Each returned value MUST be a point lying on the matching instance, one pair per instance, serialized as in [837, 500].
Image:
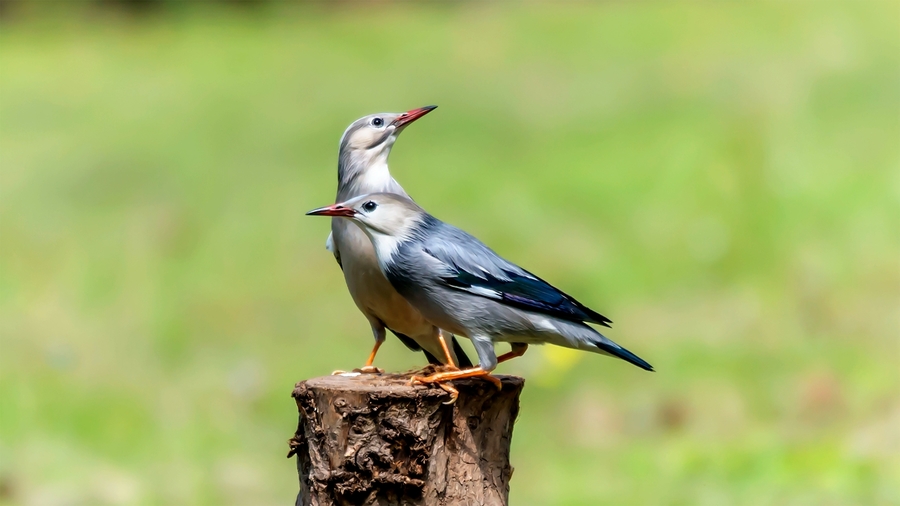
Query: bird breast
[370, 290]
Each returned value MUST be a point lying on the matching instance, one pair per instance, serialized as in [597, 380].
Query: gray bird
[463, 287]
[362, 169]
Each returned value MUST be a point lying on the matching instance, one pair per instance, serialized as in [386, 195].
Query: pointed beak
[410, 116]
[335, 210]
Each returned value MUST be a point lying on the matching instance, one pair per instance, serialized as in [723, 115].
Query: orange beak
[334, 210]
[410, 116]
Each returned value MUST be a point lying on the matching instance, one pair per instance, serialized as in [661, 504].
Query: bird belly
[373, 293]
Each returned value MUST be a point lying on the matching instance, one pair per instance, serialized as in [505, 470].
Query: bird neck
[359, 175]
[385, 246]
[405, 231]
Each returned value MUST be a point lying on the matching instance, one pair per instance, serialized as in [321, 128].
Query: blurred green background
[721, 179]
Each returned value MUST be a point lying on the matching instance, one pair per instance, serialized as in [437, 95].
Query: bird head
[369, 139]
[385, 217]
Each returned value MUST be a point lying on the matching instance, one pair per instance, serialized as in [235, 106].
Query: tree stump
[373, 439]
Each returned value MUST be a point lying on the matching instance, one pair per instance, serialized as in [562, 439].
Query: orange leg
[447, 355]
[517, 351]
[368, 368]
[372, 355]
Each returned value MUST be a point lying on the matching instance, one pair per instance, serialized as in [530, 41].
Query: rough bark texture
[375, 440]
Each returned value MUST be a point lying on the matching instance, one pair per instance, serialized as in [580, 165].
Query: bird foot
[495, 380]
[454, 393]
[442, 378]
[447, 387]
[431, 369]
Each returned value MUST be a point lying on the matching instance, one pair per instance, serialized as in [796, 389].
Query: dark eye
[369, 206]
[378, 122]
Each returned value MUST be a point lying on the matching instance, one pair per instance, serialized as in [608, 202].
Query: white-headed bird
[464, 287]
[362, 169]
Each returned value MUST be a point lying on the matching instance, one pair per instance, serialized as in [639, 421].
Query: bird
[363, 168]
[462, 286]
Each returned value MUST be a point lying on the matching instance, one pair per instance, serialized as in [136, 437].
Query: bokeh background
[721, 179]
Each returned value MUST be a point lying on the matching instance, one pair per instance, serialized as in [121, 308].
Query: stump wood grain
[375, 440]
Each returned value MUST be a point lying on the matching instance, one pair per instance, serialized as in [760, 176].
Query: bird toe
[454, 393]
[495, 380]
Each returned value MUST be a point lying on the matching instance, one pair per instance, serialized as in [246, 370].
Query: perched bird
[463, 287]
[362, 169]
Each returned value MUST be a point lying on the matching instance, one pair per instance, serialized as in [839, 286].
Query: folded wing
[473, 267]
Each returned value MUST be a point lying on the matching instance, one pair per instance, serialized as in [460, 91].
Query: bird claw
[454, 393]
[422, 380]
[443, 383]
[495, 380]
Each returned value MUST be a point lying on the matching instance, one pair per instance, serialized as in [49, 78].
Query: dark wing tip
[593, 316]
[625, 355]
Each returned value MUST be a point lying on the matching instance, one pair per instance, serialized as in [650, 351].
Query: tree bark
[373, 439]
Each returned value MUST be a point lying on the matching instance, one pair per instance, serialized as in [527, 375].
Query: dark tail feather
[461, 356]
[432, 359]
[408, 341]
[412, 345]
[619, 352]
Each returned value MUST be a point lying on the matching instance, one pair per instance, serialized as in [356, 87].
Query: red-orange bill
[333, 210]
[410, 116]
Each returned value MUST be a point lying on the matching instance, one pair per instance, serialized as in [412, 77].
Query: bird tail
[609, 347]
[584, 337]
[408, 341]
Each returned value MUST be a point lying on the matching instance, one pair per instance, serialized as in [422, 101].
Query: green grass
[721, 179]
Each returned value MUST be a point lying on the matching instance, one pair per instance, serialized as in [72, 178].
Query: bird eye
[377, 122]
[369, 206]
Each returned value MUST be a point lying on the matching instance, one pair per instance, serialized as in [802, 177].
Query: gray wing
[469, 265]
[332, 247]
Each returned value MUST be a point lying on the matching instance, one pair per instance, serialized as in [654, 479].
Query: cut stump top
[397, 385]
[376, 440]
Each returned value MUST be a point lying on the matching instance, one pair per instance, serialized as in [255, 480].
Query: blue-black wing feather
[473, 267]
[527, 292]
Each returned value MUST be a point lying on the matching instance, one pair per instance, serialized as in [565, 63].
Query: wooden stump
[374, 440]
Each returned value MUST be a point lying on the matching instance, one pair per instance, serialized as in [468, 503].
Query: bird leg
[368, 368]
[450, 363]
[518, 349]
[442, 378]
